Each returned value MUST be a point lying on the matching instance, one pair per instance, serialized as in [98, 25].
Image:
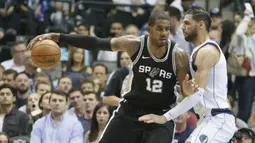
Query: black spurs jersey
[150, 83]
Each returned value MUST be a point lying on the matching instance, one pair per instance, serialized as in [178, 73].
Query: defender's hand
[50, 36]
[152, 118]
[189, 86]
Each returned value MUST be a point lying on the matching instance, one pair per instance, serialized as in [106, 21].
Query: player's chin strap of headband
[186, 104]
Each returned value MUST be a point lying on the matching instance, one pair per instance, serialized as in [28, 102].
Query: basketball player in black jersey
[157, 65]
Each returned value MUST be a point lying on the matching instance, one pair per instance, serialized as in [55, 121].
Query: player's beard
[191, 36]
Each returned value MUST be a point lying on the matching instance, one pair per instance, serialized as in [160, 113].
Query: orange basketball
[45, 54]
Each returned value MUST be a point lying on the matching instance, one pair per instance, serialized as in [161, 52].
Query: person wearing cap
[215, 13]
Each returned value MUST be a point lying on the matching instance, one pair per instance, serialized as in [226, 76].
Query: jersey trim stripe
[126, 88]
[156, 59]
[173, 58]
[140, 50]
[214, 87]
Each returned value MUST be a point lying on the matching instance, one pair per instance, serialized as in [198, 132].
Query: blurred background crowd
[92, 81]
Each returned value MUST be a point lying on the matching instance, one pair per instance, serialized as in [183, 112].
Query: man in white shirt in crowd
[17, 61]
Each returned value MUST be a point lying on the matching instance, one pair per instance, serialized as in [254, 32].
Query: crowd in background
[84, 87]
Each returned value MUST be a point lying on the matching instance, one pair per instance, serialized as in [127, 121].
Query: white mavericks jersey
[215, 95]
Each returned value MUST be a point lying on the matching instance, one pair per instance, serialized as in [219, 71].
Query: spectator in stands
[30, 69]
[90, 102]
[97, 85]
[32, 103]
[75, 66]
[41, 77]
[32, 72]
[69, 129]
[44, 103]
[100, 71]
[4, 137]
[20, 17]
[109, 58]
[243, 135]
[215, 13]
[239, 123]
[1, 74]
[17, 62]
[176, 33]
[84, 29]
[238, 18]
[245, 47]
[182, 129]
[78, 109]
[42, 87]
[87, 85]
[64, 84]
[112, 93]
[14, 122]
[215, 33]
[22, 85]
[100, 118]
[9, 77]
[132, 30]
[42, 14]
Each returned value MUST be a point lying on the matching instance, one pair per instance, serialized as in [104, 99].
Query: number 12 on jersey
[154, 85]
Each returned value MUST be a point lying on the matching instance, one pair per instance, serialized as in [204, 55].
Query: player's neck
[157, 51]
[201, 38]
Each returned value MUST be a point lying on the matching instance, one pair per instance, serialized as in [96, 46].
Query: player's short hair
[174, 12]
[200, 14]
[159, 15]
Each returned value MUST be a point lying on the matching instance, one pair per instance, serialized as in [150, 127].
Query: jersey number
[154, 85]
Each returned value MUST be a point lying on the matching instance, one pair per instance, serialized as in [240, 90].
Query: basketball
[45, 54]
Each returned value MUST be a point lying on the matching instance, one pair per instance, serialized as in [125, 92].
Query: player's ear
[200, 24]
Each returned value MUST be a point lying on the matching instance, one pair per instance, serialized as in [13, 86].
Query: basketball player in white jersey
[208, 68]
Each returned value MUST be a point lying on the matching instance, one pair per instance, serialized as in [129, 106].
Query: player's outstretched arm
[206, 58]
[127, 43]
